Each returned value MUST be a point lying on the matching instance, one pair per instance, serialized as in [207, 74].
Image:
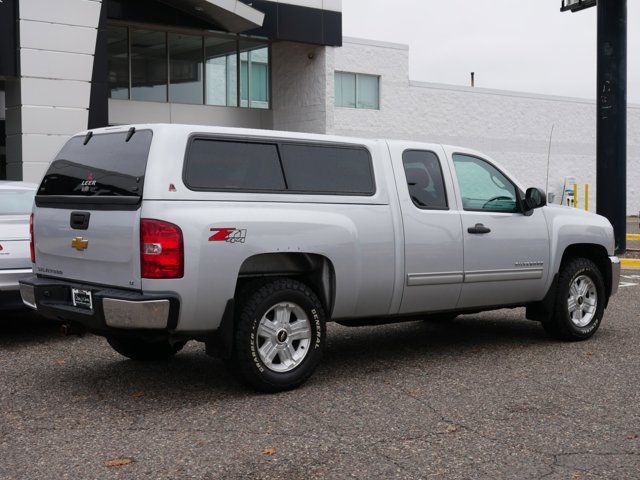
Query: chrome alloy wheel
[283, 337]
[583, 301]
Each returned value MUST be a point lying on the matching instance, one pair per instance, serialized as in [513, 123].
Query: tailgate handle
[79, 220]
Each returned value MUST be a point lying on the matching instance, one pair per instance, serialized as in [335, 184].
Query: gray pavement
[488, 396]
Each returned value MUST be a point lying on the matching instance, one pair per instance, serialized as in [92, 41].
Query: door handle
[479, 228]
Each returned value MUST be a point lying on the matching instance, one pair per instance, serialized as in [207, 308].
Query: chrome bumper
[615, 274]
[112, 309]
[133, 315]
[9, 278]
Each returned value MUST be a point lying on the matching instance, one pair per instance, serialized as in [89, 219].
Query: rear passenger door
[432, 230]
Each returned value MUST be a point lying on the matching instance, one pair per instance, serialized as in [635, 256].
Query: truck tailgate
[107, 252]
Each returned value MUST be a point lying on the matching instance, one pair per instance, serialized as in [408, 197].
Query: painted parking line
[625, 282]
[630, 263]
[633, 236]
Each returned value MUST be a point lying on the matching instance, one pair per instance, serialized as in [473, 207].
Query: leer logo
[228, 234]
[89, 182]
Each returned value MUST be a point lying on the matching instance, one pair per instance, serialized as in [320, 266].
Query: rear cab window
[98, 169]
[278, 166]
[425, 181]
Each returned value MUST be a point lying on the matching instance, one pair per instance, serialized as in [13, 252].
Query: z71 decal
[231, 235]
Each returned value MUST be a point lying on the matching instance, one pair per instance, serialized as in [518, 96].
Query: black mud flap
[220, 343]
[542, 310]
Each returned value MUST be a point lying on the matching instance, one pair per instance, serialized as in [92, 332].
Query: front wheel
[580, 301]
[280, 335]
[144, 350]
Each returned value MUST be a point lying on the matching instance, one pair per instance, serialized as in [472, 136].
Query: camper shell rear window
[108, 166]
[277, 166]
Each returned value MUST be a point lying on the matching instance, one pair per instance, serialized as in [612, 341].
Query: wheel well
[315, 270]
[597, 254]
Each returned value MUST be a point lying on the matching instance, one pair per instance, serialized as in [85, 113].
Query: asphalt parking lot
[488, 396]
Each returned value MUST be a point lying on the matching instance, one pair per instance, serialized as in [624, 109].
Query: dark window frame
[277, 142]
[444, 184]
[129, 25]
[519, 193]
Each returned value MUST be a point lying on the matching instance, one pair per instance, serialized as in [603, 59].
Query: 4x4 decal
[231, 235]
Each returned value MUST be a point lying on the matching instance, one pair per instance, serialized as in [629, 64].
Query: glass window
[221, 164]
[118, 54]
[16, 202]
[356, 90]
[107, 165]
[185, 72]
[345, 89]
[367, 92]
[254, 74]
[148, 65]
[221, 57]
[424, 179]
[327, 169]
[483, 187]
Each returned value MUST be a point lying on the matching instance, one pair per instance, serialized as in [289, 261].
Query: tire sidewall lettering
[317, 332]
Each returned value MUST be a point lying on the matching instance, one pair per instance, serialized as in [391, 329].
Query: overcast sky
[511, 44]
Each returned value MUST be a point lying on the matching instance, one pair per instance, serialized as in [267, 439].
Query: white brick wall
[50, 101]
[511, 127]
[302, 87]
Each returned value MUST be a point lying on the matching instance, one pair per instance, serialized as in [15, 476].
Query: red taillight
[32, 245]
[161, 249]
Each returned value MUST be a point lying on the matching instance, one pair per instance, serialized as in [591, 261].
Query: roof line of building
[507, 93]
[375, 43]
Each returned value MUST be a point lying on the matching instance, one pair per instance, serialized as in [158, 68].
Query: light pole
[611, 98]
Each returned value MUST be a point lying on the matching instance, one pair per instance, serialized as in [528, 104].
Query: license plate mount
[82, 298]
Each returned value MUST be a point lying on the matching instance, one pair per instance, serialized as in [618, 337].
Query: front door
[433, 237]
[506, 253]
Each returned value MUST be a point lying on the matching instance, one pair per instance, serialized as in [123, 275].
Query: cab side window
[483, 187]
[425, 180]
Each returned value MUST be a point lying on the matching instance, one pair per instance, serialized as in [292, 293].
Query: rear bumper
[9, 278]
[114, 310]
[615, 274]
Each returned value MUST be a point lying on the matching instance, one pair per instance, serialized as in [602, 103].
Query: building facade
[262, 64]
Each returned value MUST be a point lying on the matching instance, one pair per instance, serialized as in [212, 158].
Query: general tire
[559, 325]
[254, 302]
[143, 350]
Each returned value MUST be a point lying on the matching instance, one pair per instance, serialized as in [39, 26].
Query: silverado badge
[79, 243]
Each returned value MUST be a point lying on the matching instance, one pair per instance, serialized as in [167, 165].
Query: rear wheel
[280, 335]
[579, 302]
[144, 350]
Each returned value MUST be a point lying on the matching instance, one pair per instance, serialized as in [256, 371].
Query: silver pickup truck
[250, 241]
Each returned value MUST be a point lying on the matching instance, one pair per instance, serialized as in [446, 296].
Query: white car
[16, 203]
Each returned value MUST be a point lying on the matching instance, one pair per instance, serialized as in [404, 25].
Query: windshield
[16, 202]
[104, 165]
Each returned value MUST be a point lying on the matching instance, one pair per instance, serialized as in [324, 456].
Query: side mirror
[534, 198]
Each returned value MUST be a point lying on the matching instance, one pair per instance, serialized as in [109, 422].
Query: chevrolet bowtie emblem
[79, 243]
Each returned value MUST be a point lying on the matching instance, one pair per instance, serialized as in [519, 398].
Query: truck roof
[191, 128]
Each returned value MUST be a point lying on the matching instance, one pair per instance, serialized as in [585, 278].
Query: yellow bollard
[575, 195]
[586, 197]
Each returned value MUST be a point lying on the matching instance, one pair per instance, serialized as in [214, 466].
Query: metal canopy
[233, 15]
